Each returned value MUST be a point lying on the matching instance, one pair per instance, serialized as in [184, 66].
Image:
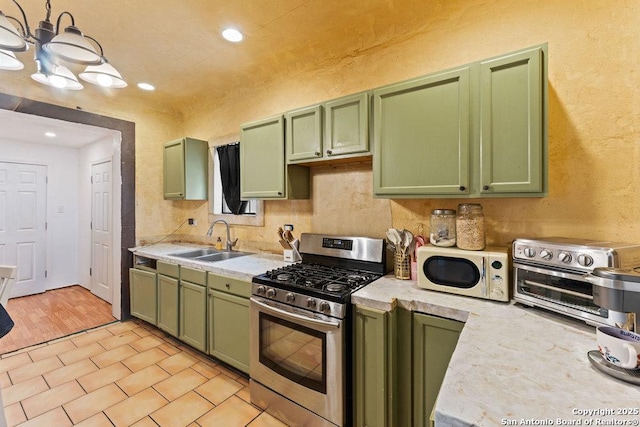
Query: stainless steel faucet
[230, 244]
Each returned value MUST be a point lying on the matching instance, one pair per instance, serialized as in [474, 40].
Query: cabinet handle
[485, 188]
[317, 153]
[329, 152]
[228, 286]
[462, 188]
[279, 193]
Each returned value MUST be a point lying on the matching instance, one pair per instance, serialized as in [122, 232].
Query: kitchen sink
[197, 253]
[209, 254]
[220, 256]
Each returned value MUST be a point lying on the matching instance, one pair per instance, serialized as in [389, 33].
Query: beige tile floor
[123, 374]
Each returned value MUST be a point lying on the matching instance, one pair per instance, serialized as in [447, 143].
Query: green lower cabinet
[373, 367]
[143, 294]
[434, 340]
[193, 315]
[229, 329]
[168, 304]
[400, 358]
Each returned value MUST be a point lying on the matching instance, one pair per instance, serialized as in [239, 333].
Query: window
[218, 209]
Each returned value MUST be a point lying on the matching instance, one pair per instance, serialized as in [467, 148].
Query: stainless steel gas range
[301, 329]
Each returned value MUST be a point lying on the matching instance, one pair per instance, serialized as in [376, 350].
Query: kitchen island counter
[241, 268]
[513, 365]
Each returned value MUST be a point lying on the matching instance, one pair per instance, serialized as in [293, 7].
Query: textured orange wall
[594, 106]
[594, 157]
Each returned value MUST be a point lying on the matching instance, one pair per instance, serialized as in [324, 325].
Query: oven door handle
[562, 291]
[303, 319]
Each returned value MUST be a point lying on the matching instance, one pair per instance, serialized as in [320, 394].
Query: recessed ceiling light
[146, 86]
[232, 35]
[50, 134]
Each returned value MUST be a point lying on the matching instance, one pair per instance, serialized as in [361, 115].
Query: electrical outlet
[193, 221]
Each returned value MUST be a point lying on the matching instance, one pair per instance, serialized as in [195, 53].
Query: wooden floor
[53, 314]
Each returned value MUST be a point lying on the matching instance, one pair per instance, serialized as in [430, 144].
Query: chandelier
[52, 49]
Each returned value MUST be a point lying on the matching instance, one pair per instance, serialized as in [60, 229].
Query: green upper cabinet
[421, 136]
[337, 129]
[263, 172]
[304, 134]
[476, 131]
[186, 169]
[512, 123]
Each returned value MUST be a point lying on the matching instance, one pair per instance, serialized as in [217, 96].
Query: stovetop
[320, 281]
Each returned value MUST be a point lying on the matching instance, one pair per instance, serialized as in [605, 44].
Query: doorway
[126, 205]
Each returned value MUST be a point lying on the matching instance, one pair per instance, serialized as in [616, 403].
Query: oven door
[560, 291]
[299, 355]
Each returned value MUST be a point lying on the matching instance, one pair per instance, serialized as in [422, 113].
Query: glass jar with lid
[470, 227]
[443, 227]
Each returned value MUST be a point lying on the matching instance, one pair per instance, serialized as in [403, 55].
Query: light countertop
[242, 268]
[512, 364]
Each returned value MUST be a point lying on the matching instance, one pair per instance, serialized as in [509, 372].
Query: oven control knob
[585, 260]
[290, 297]
[311, 303]
[564, 257]
[260, 290]
[324, 306]
[271, 293]
[546, 254]
[529, 252]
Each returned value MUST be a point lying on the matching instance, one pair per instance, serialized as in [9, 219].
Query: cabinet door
[346, 129]
[512, 123]
[421, 136]
[229, 329]
[143, 293]
[262, 167]
[174, 177]
[304, 134]
[168, 304]
[193, 315]
[372, 365]
[434, 340]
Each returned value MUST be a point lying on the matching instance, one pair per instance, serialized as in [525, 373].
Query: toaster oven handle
[298, 317]
[553, 288]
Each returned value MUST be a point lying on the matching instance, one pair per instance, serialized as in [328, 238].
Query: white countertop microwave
[479, 274]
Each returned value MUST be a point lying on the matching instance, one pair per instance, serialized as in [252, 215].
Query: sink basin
[220, 256]
[209, 254]
[197, 253]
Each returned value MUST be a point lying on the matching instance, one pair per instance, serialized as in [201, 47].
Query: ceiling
[29, 128]
[176, 44]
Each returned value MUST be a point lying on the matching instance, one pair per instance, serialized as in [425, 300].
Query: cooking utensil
[288, 236]
[407, 240]
[283, 242]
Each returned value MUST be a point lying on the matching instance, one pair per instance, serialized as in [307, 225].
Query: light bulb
[104, 80]
[57, 81]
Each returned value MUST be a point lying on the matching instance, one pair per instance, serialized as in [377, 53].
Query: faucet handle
[231, 244]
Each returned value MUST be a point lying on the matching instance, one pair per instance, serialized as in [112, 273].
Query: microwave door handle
[484, 278]
[310, 322]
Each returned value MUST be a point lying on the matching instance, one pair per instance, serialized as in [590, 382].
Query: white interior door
[101, 231]
[23, 219]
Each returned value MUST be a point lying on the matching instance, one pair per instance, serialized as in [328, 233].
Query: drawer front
[172, 270]
[231, 286]
[194, 276]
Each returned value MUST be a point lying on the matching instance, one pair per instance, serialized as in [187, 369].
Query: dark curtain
[229, 156]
